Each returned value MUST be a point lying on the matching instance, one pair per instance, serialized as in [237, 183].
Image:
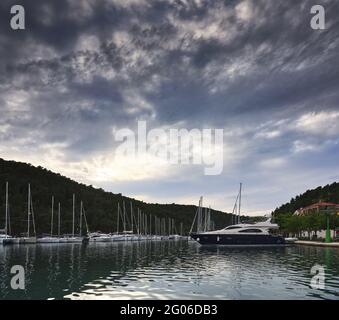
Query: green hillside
[328, 193]
[100, 206]
[295, 224]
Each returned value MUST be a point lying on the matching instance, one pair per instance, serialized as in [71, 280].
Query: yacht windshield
[232, 227]
[251, 230]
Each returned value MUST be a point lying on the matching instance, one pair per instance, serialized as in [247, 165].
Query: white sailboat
[29, 239]
[125, 235]
[4, 236]
[117, 236]
[50, 238]
[73, 238]
[99, 237]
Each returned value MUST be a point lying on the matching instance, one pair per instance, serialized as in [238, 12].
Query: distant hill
[328, 193]
[100, 206]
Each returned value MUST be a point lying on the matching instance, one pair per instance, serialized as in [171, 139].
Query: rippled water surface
[167, 270]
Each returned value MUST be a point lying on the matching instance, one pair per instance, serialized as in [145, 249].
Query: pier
[319, 244]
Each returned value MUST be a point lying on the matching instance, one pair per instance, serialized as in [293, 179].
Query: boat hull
[118, 238]
[71, 240]
[100, 239]
[11, 241]
[75, 240]
[238, 239]
[30, 240]
[48, 240]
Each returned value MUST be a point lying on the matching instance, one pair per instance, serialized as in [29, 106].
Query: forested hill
[328, 193]
[100, 206]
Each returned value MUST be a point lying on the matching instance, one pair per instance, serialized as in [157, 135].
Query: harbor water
[167, 270]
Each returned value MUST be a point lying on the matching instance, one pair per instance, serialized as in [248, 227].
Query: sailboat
[73, 238]
[4, 236]
[125, 235]
[117, 236]
[28, 239]
[128, 234]
[240, 234]
[50, 238]
[93, 236]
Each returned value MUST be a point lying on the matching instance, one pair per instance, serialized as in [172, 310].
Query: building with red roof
[319, 207]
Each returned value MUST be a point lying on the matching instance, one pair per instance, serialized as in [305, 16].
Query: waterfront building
[326, 208]
[319, 207]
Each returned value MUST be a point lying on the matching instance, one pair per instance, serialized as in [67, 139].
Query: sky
[83, 69]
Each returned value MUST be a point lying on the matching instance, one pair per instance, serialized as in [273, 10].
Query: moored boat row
[132, 237]
[140, 227]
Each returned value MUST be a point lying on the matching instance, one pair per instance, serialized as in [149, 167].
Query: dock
[319, 244]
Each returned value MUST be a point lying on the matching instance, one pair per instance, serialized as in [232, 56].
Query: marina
[146, 258]
[169, 150]
[167, 270]
[149, 257]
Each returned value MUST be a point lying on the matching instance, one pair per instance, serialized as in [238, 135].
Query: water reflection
[167, 270]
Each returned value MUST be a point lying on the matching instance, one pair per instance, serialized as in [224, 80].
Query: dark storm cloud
[175, 70]
[59, 23]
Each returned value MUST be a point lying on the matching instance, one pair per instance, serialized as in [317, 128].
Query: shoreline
[319, 244]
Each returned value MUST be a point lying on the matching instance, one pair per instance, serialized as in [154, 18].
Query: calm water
[167, 270]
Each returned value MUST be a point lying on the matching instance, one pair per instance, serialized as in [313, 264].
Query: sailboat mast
[6, 222]
[118, 218]
[239, 202]
[155, 225]
[32, 213]
[84, 215]
[131, 215]
[73, 215]
[124, 215]
[80, 219]
[138, 223]
[52, 216]
[59, 219]
[28, 208]
[142, 221]
[200, 213]
[198, 217]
